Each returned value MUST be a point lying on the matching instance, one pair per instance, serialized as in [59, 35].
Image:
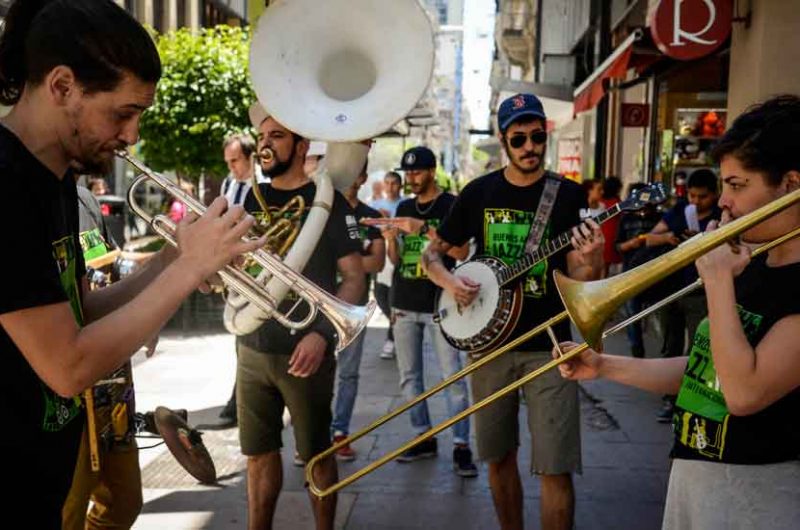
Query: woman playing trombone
[736, 456]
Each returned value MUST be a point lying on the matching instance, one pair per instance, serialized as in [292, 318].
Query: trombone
[589, 305]
[348, 320]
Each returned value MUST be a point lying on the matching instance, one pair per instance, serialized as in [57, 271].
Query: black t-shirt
[498, 215]
[339, 238]
[633, 224]
[411, 288]
[42, 265]
[367, 234]
[704, 429]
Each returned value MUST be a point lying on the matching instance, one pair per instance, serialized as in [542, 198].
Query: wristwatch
[424, 228]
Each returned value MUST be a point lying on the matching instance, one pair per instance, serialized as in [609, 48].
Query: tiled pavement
[624, 453]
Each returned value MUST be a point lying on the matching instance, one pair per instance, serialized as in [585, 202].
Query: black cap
[418, 158]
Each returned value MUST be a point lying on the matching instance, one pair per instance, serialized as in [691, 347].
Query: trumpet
[589, 305]
[347, 319]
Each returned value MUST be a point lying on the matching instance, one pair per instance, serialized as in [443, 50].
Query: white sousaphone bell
[341, 72]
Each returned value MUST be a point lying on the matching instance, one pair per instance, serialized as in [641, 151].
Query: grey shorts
[263, 388]
[552, 409]
[712, 496]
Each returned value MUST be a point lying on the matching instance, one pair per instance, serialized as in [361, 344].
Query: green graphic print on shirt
[58, 411]
[505, 233]
[702, 421]
[92, 244]
[411, 253]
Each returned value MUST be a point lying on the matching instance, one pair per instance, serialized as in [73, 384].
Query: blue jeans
[634, 331]
[347, 364]
[409, 328]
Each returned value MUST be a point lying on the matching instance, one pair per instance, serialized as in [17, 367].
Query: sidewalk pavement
[625, 453]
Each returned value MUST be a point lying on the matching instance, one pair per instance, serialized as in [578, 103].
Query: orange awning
[616, 66]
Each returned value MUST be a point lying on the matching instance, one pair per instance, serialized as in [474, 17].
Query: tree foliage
[203, 96]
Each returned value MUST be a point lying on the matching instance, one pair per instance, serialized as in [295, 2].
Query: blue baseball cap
[518, 106]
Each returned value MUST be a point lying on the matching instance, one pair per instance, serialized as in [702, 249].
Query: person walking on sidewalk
[387, 206]
[736, 443]
[504, 211]
[629, 242]
[279, 367]
[413, 303]
[348, 361]
[239, 151]
[684, 220]
[78, 74]
[115, 489]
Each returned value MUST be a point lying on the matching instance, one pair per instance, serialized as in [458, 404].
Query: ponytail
[12, 48]
[97, 39]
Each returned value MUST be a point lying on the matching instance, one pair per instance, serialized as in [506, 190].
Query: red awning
[616, 66]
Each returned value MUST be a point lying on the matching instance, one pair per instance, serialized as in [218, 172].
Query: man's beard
[525, 169]
[94, 166]
[87, 154]
[279, 167]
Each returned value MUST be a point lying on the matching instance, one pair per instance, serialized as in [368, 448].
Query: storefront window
[692, 102]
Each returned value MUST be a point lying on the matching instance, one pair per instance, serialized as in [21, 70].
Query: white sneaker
[388, 350]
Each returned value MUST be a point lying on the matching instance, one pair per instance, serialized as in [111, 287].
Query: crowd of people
[79, 73]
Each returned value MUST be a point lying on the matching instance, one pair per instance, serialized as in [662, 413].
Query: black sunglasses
[518, 140]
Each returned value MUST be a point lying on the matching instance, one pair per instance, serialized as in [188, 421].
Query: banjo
[491, 317]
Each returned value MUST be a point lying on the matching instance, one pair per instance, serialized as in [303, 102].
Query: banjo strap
[543, 212]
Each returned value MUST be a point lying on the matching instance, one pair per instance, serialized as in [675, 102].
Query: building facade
[166, 15]
[641, 89]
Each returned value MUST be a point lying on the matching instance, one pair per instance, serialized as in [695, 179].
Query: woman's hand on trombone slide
[584, 366]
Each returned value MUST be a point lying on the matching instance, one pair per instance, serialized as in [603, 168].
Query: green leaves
[203, 96]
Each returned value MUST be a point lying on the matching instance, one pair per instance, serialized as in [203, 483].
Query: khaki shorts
[263, 388]
[553, 414]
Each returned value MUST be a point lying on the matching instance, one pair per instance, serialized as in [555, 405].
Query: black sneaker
[462, 462]
[665, 414]
[426, 449]
[228, 415]
[228, 412]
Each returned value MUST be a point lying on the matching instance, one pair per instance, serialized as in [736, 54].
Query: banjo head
[465, 323]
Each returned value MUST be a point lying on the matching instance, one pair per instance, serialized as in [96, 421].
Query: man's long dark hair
[97, 39]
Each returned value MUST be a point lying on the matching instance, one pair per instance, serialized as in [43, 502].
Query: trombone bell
[589, 304]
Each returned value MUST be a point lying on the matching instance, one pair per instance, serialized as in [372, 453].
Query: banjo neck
[527, 261]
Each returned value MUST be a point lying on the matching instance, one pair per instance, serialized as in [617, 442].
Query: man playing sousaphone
[278, 367]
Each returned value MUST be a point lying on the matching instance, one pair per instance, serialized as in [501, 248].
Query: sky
[478, 48]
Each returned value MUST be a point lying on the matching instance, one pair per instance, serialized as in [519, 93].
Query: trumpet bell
[341, 70]
[350, 321]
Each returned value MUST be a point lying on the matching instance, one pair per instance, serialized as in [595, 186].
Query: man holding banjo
[507, 212]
